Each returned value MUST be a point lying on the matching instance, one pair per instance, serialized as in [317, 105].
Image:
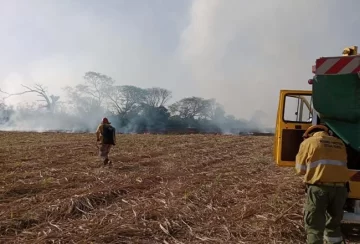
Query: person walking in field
[322, 159]
[105, 134]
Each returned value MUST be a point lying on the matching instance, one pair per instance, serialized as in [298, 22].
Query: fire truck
[332, 100]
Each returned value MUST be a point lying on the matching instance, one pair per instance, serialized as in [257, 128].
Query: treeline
[131, 109]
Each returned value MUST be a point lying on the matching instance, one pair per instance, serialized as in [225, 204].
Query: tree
[213, 110]
[2, 99]
[50, 100]
[130, 108]
[126, 98]
[156, 118]
[5, 113]
[97, 86]
[82, 104]
[219, 113]
[192, 107]
[90, 96]
[157, 97]
[2, 111]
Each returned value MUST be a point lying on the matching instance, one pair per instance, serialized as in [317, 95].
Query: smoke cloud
[239, 52]
[244, 52]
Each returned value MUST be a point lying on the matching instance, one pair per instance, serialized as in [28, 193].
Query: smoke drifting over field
[244, 52]
[239, 52]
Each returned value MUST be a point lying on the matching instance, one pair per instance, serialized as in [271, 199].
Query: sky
[240, 52]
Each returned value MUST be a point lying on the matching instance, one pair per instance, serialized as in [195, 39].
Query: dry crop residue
[161, 189]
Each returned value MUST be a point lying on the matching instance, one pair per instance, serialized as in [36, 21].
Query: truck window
[297, 108]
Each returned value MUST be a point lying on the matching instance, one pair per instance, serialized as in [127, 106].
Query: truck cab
[333, 100]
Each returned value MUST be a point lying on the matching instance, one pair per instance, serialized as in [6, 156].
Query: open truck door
[294, 116]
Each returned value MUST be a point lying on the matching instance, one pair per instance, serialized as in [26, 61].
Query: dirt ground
[161, 189]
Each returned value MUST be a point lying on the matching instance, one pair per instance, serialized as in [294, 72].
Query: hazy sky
[240, 52]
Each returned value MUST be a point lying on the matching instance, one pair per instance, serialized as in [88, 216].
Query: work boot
[106, 161]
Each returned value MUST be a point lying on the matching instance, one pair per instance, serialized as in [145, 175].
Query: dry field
[161, 189]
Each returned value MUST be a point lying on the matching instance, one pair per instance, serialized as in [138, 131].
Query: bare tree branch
[126, 98]
[40, 90]
[157, 97]
[192, 107]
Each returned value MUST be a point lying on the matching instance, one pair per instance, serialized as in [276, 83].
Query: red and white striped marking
[337, 65]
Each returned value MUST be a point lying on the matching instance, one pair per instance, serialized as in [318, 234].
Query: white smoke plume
[243, 52]
[237, 51]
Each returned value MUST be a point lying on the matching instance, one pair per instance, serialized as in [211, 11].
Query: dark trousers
[323, 213]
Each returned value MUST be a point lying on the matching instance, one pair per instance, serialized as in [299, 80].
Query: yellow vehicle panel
[289, 130]
[288, 135]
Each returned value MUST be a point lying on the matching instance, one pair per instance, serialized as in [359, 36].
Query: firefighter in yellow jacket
[322, 159]
[105, 134]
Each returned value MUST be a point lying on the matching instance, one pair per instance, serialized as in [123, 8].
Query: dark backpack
[108, 134]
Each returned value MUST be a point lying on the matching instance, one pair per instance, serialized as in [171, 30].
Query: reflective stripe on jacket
[322, 158]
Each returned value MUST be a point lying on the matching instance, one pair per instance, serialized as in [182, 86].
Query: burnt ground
[161, 189]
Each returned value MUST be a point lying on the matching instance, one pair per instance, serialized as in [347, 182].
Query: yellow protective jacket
[99, 132]
[322, 158]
